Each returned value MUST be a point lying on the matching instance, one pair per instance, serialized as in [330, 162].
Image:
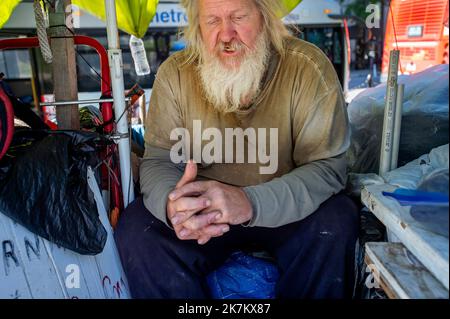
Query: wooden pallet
[400, 274]
[429, 248]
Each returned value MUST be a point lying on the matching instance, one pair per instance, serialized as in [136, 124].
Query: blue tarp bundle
[244, 277]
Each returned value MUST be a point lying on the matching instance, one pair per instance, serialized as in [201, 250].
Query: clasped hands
[201, 210]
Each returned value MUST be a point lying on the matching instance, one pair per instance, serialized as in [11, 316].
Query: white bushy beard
[232, 88]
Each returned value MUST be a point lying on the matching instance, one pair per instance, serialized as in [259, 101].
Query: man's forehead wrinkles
[224, 6]
[236, 11]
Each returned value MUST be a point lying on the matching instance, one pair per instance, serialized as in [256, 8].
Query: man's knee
[137, 226]
[337, 219]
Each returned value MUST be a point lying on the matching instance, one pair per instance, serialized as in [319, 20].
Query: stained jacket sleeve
[158, 174]
[158, 177]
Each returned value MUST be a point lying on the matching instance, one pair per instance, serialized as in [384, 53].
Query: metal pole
[389, 111]
[78, 102]
[118, 88]
[397, 126]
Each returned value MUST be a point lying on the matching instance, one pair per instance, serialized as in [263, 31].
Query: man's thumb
[190, 174]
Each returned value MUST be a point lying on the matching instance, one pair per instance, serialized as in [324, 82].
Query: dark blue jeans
[315, 256]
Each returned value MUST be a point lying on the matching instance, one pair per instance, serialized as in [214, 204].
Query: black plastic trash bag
[46, 190]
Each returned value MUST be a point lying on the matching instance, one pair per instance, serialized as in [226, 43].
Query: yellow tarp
[133, 16]
[6, 9]
[291, 4]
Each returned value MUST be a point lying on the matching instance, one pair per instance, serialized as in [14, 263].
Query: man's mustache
[232, 46]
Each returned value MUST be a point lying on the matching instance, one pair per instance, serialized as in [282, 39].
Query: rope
[41, 26]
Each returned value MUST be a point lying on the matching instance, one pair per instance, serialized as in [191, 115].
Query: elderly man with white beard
[242, 71]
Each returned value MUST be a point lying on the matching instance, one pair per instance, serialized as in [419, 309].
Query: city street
[358, 83]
